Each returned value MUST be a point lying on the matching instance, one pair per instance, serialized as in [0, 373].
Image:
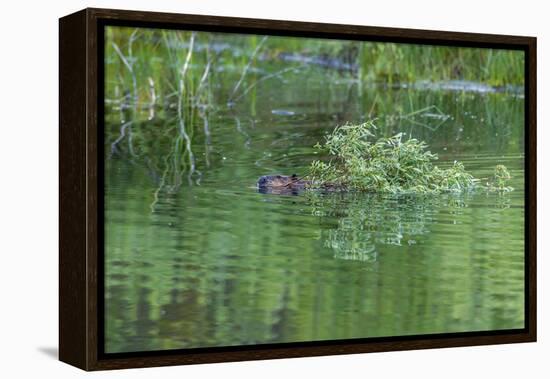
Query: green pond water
[208, 261]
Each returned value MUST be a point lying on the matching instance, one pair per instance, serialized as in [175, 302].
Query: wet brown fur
[281, 181]
[284, 184]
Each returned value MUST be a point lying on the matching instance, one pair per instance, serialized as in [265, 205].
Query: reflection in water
[368, 221]
[217, 265]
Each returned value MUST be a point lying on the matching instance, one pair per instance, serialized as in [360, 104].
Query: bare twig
[189, 54]
[127, 63]
[181, 116]
[122, 57]
[203, 80]
[241, 131]
[153, 96]
[246, 68]
[266, 77]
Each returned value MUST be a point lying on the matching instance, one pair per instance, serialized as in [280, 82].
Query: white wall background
[29, 184]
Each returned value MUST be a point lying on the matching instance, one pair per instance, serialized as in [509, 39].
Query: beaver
[292, 185]
[282, 184]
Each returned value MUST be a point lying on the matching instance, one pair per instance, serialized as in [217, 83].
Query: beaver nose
[262, 181]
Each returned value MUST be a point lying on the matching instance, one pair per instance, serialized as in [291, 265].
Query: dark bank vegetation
[160, 67]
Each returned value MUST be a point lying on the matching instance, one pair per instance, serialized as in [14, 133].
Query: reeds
[405, 63]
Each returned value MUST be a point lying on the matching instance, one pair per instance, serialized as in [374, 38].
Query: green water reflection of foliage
[175, 284]
[367, 222]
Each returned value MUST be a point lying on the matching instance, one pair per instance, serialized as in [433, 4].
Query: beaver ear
[294, 176]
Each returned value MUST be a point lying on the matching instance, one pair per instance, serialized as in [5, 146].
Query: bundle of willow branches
[360, 161]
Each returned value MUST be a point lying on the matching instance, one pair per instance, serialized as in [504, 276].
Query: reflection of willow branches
[181, 116]
[161, 185]
[502, 201]
[367, 221]
[242, 131]
[176, 163]
[175, 166]
[114, 145]
[207, 139]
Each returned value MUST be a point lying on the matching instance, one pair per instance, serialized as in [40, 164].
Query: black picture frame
[81, 188]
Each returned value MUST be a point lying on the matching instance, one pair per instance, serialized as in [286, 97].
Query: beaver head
[281, 184]
[276, 181]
